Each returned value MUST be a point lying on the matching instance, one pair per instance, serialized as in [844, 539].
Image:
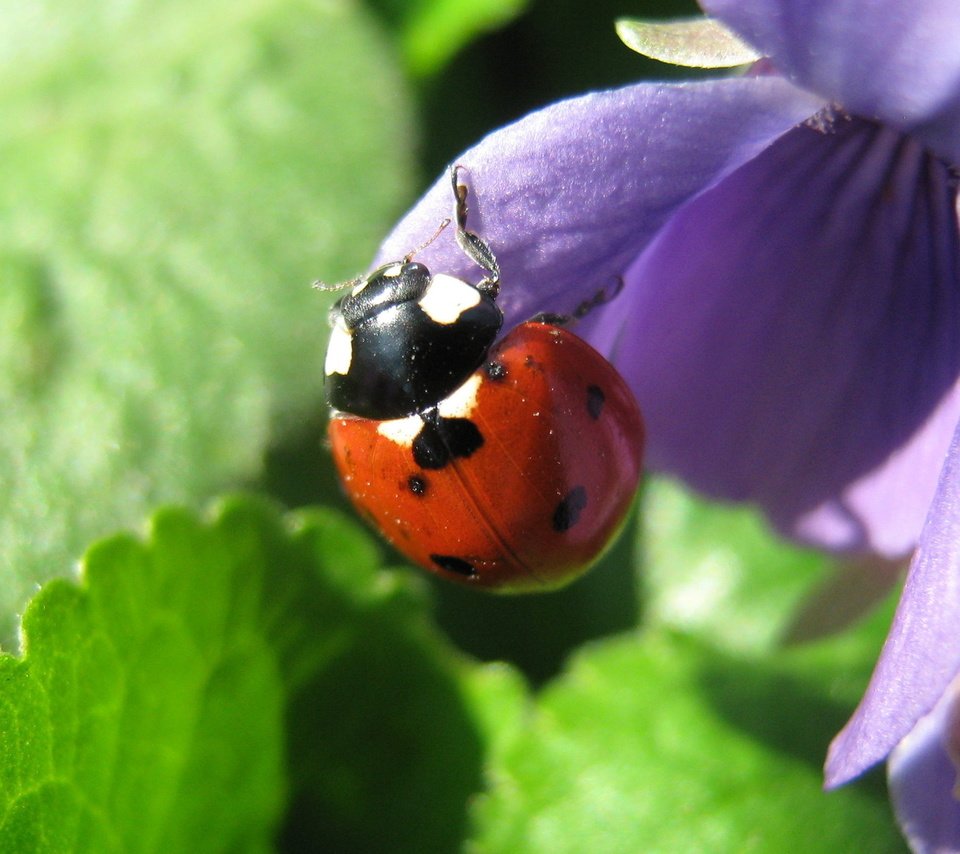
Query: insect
[507, 465]
[403, 339]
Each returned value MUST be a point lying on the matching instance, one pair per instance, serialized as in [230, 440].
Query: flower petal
[884, 59]
[922, 780]
[922, 653]
[568, 196]
[694, 42]
[792, 332]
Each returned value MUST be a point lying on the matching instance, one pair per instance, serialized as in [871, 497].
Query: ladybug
[403, 339]
[510, 465]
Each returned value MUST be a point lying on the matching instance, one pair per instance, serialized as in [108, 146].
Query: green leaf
[691, 42]
[432, 31]
[172, 698]
[174, 176]
[720, 572]
[659, 744]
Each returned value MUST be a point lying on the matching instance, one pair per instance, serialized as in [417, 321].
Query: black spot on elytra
[417, 485]
[496, 371]
[441, 440]
[595, 400]
[454, 564]
[569, 509]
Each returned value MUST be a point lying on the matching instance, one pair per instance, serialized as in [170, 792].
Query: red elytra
[537, 499]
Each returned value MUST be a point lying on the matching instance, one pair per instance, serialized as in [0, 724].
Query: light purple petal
[888, 505]
[922, 783]
[922, 652]
[568, 196]
[793, 336]
[895, 61]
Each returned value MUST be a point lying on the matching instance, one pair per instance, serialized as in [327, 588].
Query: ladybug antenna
[472, 245]
[340, 286]
[359, 280]
[409, 256]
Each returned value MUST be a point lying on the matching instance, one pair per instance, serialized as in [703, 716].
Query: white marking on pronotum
[461, 403]
[401, 430]
[339, 350]
[447, 298]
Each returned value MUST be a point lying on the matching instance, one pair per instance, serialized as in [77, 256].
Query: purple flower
[923, 779]
[790, 321]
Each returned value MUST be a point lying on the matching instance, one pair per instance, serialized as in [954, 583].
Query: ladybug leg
[472, 245]
[552, 319]
[601, 297]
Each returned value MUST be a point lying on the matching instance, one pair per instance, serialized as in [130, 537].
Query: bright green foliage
[659, 744]
[226, 682]
[714, 741]
[163, 702]
[174, 175]
[719, 571]
[432, 31]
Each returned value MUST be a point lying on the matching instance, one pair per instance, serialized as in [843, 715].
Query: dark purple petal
[922, 652]
[895, 61]
[570, 195]
[922, 784]
[793, 336]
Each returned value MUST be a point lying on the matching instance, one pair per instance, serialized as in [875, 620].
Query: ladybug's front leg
[474, 246]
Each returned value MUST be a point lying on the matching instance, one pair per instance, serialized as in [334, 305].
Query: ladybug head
[390, 285]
